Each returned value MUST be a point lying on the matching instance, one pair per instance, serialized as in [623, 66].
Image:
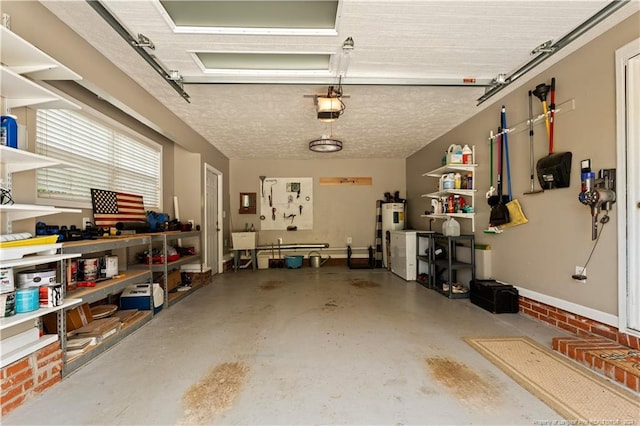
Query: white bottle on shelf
[467, 155]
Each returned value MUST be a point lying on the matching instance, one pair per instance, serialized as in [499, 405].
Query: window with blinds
[101, 158]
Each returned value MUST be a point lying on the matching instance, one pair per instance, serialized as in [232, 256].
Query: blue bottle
[9, 131]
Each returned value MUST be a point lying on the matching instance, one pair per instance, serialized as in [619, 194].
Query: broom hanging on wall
[516, 215]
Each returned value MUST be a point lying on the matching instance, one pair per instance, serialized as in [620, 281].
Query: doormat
[627, 359]
[574, 392]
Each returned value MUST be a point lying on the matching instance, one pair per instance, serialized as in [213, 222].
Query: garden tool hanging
[532, 189]
[554, 170]
[516, 215]
[499, 214]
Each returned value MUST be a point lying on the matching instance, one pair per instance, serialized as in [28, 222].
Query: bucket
[27, 299]
[9, 131]
[315, 260]
[293, 262]
[89, 269]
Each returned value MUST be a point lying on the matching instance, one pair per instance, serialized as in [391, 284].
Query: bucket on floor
[27, 299]
[293, 262]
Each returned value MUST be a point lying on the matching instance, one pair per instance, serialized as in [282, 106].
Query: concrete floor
[322, 346]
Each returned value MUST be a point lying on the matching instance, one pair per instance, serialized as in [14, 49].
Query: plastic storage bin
[293, 262]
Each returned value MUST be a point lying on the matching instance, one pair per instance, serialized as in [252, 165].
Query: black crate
[494, 296]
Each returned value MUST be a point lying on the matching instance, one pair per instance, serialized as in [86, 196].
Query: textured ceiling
[395, 41]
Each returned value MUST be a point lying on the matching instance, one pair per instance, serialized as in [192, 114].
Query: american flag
[111, 207]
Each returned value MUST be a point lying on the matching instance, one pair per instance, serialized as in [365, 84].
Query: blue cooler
[138, 296]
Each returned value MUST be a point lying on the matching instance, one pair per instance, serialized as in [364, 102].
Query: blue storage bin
[293, 262]
[27, 299]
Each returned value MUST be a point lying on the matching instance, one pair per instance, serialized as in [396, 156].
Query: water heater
[392, 220]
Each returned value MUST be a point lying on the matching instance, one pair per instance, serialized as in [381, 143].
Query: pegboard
[292, 199]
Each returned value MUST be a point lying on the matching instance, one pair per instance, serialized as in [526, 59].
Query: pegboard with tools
[286, 203]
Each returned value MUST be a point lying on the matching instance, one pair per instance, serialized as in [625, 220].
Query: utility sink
[243, 240]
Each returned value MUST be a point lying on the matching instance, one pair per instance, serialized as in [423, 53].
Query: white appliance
[403, 254]
[392, 220]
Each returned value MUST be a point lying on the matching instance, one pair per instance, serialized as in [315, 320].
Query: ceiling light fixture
[325, 144]
[330, 107]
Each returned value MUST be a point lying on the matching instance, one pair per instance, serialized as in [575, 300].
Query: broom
[516, 215]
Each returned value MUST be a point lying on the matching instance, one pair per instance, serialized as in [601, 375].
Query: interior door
[628, 129]
[212, 226]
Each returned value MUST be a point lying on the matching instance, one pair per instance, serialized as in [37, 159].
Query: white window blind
[101, 158]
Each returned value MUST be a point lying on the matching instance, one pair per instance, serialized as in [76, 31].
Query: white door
[212, 228]
[628, 131]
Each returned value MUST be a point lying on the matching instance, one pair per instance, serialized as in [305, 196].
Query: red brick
[43, 376]
[588, 359]
[28, 385]
[623, 339]
[47, 350]
[49, 360]
[56, 369]
[609, 370]
[633, 342]
[13, 393]
[620, 375]
[579, 324]
[569, 328]
[605, 333]
[17, 367]
[9, 406]
[549, 320]
[525, 304]
[598, 363]
[558, 316]
[632, 382]
[16, 379]
[46, 385]
[580, 355]
[531, 313]
[540, 309]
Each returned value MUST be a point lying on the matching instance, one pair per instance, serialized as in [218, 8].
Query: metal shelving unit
[430, 267]
[106, 288]
[164, 268]
[469, 194]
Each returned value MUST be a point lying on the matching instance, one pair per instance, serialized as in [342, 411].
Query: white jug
[451, 228]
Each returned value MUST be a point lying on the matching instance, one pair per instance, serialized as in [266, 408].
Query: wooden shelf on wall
[346, 181]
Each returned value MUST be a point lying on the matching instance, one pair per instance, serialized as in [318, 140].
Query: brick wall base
[574, 323]
[29, 376]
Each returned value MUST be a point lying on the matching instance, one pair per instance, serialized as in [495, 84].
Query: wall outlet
[191, 222]
[349, 240]
[85, 220]
[582, 271]
[280, 240]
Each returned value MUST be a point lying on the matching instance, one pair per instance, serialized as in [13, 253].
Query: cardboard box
[101, 328]
[76, 318]
[199, 277]
[79, 317]
[173, 279]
